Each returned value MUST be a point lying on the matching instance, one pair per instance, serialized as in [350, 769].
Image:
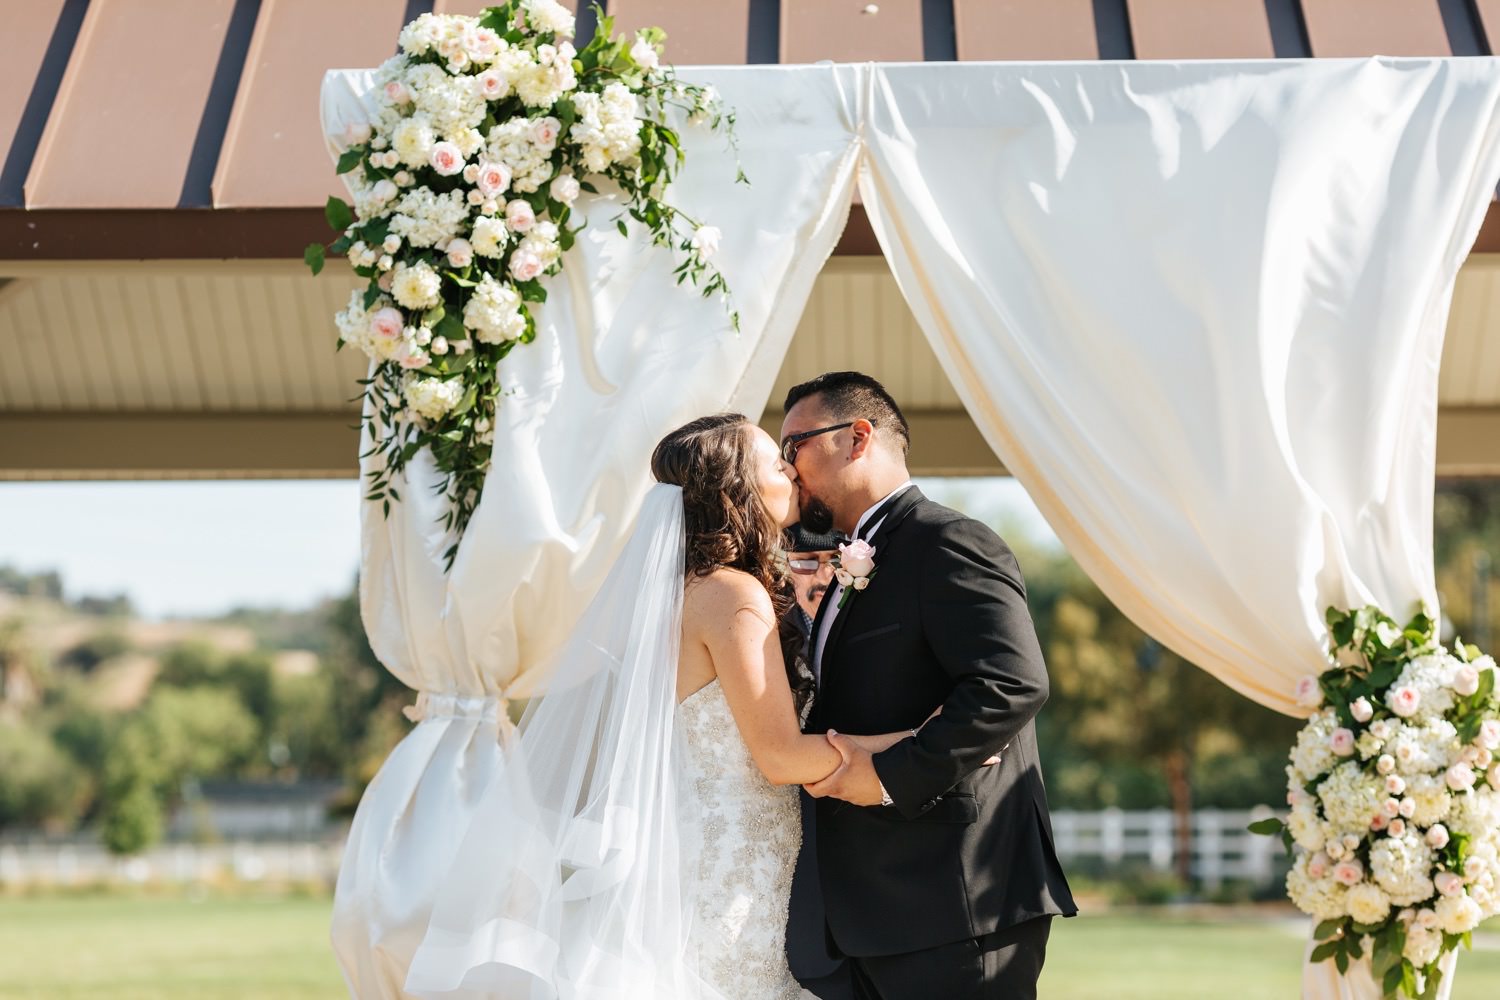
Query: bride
[640, 839]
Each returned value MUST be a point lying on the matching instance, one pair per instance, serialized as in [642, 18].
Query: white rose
[706, 241]
[1448, 883]
[1458, 914]
[439, 345]
[384, 190]
[644, 54]
[861, 582]
[1368, 903]
[1385, 764]
[1361, 709]
[1465, 680]
[565, 189]
[519, 215]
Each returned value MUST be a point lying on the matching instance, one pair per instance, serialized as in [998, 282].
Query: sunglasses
[790, 445]
[803, 567]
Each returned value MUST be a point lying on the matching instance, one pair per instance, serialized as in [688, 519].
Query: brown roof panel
[1025, 29]
[698, 33]
[1200, 29]
[123, 128]
[273, 153]
[23, 49]
[1352, 28]
[851, 31]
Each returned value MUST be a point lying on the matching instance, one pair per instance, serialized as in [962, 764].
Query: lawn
[114, 948]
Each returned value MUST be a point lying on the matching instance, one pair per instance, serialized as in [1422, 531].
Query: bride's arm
[735, 620]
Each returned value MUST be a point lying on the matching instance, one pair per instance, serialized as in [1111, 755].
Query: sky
[187, 549]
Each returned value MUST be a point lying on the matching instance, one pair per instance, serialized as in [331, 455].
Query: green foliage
[40, 785]
[132, 819]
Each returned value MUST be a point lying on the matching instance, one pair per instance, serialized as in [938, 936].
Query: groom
[938, 874]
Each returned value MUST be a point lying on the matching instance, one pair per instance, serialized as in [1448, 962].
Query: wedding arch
[1195, 308]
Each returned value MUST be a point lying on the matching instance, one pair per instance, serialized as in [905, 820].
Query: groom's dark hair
[854, 396]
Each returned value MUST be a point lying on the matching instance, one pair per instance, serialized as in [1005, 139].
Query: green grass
[124, 948]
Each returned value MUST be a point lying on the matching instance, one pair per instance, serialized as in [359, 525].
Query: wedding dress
[741, 864]
[627, 848]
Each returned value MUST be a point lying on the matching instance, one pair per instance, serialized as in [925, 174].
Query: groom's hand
[855, 781]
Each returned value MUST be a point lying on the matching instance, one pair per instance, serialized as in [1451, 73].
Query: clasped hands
[854, 780]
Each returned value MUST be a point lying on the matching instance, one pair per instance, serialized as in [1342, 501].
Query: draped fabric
[622, 356]
[1196, 308]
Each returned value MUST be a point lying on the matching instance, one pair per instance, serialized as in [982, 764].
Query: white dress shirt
[837, 592]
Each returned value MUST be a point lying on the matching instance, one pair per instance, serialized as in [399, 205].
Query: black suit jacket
[966, 849]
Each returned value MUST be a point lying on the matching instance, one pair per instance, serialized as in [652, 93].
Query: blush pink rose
[1317, 865]
[493, 178]
[1465, 680]
[857, 557]
[1460, 777]
[519, 215]
[1437, 837]
[385, 281]
[1348, 872]
[415, 357]
[1361, 709]
[1309, 694]
[525, 265]
[1404, 701]
[446, 158]
[1397, 827]
[1489, 734]
[387, 323]
[1448, 883]
[396, 92]
[1380, 822]
[460, 252]
[492, 85]
[544, 132]
[1342, 742]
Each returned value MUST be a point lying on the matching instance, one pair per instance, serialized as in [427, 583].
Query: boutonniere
[854, 567]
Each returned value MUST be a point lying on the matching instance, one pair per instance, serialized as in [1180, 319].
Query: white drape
[1196, 308]
[622, 356]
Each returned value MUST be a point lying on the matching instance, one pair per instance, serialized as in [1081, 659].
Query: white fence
[1221, 846]
[74, 864]
[1221, 850]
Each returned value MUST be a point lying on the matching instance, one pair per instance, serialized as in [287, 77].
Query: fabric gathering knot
[432, 705]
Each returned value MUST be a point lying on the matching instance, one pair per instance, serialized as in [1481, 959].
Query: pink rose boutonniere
[854, 566]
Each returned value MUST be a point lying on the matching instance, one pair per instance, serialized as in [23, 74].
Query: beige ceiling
[227, 370]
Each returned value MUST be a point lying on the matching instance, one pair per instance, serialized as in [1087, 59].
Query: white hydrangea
[426, 219]
[433, 398]
[1306, 827]
[1311, 756]
[1402, 866]
[1458, 914]
[1475, 813]
[1350, 797]
[353, 322]
[608, 127]
[1432, 676]
[451, 105]
[549, 15]
[1424, 748]
[1368, 903]
[494, 312]
[1323, 898]
[552, 76]
[511, 143]
[417, 286]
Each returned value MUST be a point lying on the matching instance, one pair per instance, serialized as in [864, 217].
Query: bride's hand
[875, 744]
[939, 711]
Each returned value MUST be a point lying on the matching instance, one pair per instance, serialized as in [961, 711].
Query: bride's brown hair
[727, 524]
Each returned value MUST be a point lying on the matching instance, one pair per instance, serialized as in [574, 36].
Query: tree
[39, 785]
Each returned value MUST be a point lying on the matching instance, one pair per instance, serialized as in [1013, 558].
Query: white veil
[567, 884]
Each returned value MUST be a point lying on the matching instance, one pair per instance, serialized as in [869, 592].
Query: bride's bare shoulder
[716, 598]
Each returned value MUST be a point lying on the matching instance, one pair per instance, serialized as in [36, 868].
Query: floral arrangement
[486, 132]
[1394, 791]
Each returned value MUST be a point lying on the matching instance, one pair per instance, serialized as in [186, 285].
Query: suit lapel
[904, 505]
